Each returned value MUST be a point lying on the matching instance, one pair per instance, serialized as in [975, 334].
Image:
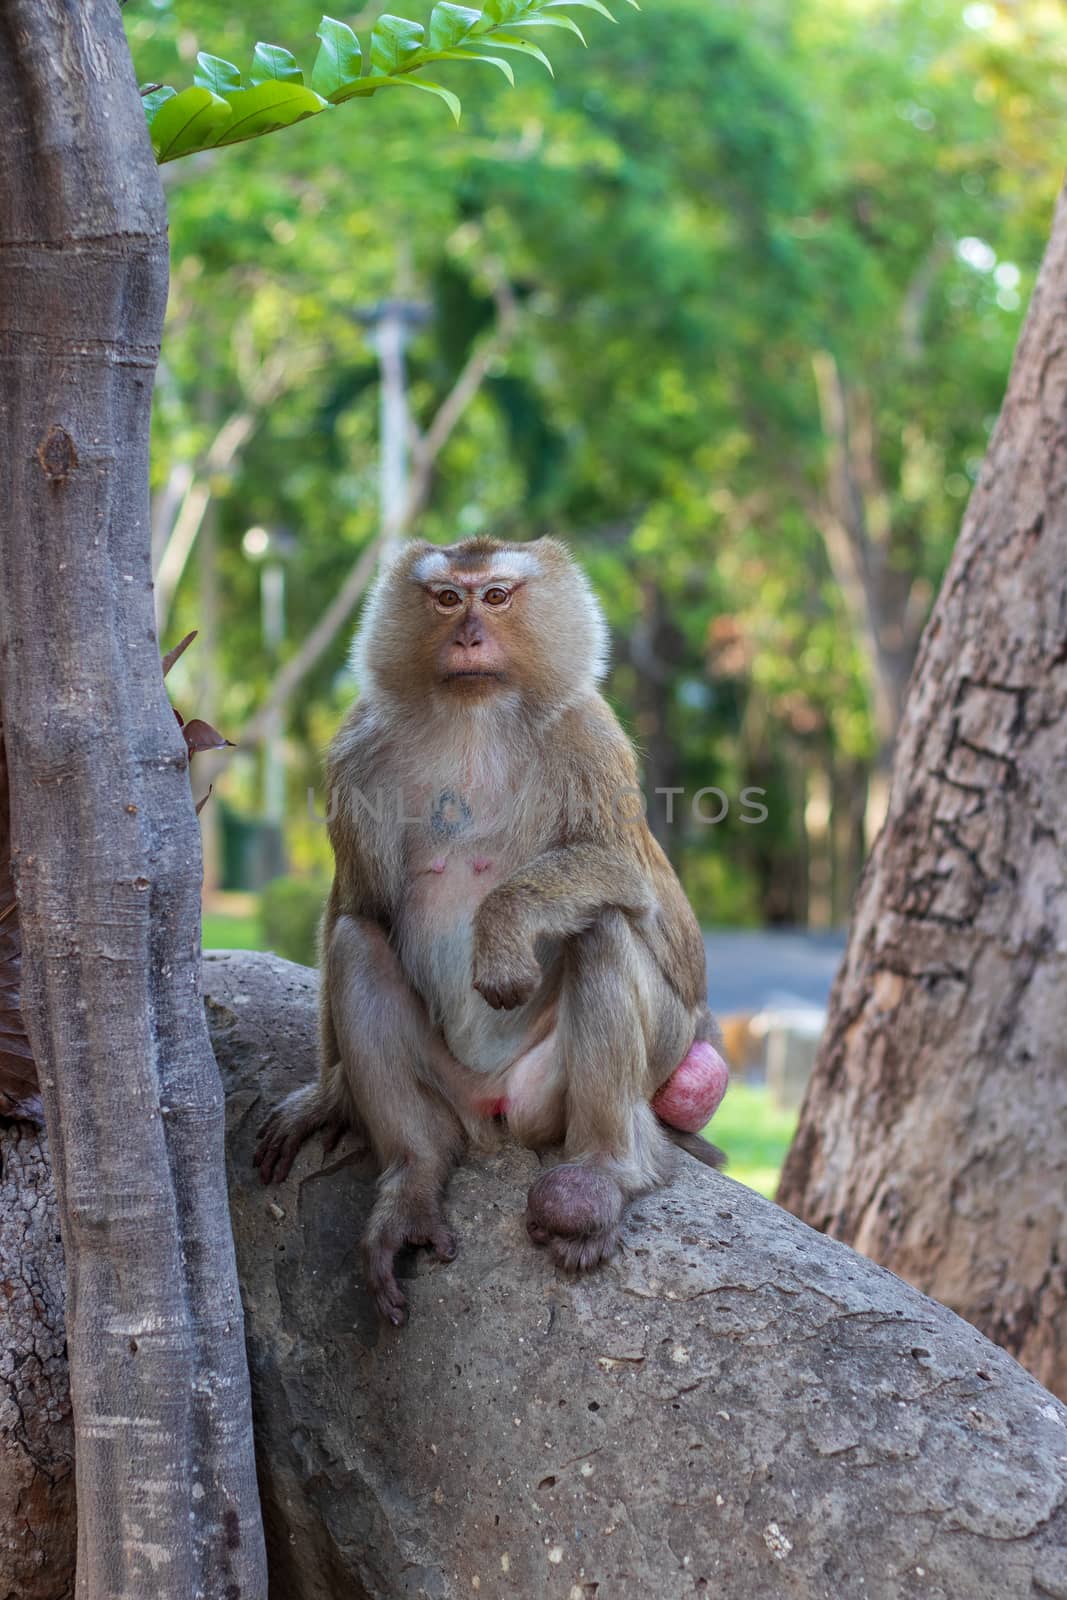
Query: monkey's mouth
[472, 672]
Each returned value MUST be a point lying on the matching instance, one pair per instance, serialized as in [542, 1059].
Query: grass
[754, 1134]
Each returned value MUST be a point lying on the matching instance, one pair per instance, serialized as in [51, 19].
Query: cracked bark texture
[934, 1134]
[37, 1525]
[105, 843]
[737, 1407]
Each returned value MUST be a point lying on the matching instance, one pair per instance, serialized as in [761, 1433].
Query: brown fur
[502, 925]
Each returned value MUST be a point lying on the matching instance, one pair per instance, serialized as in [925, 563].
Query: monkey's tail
[696, 1146]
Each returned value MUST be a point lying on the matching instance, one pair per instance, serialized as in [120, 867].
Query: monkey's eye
[496, 596]
[448, 599]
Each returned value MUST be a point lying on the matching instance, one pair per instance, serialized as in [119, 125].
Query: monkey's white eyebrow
[433, 566]
[519, 564]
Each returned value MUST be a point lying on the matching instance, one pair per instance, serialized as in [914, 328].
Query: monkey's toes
[582, 1255]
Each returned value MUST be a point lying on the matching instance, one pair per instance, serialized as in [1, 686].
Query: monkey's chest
[445, 889]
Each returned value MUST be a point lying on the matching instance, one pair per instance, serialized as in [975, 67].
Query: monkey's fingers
[443, 1241]
[505, 995]
[275, 1156]
[382, 1286]
[331, 1135]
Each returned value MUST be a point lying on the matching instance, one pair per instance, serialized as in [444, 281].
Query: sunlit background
[729, 304]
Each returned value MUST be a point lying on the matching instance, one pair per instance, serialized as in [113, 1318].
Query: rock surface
[737, 1407]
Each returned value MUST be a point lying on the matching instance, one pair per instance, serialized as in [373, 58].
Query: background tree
[934, 1134]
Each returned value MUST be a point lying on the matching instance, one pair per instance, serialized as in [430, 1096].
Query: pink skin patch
[491, 1108]
[691, 1095]
[437, 864]
[481, 863]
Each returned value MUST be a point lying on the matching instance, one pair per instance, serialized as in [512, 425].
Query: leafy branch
[221, 108]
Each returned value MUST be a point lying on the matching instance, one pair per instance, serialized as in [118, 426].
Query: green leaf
[510, 41]
[450, 100]
[221, 77]
[219, 110]
[470, 55]
[187, 122]
[393, 42]
[503, 11]
[157, 98]
[449, 24]
[339, 61]
[272, 64]
[555, 22]
[266, 107]
[590, 5]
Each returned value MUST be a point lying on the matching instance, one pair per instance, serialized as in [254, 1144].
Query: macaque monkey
[504, 939]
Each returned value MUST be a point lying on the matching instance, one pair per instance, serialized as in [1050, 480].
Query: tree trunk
[934, 1135]
[104, 840]
[38, 1528]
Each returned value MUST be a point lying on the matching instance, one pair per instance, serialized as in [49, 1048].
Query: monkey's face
[469, 616]
[481, 619]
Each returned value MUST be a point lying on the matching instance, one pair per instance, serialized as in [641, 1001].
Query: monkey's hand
[398, 1220]
[505, 970]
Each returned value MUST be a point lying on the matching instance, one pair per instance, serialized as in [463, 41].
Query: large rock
[737, 1407]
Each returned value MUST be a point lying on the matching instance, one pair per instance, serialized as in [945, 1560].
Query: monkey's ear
[552, 545]
[407, 554]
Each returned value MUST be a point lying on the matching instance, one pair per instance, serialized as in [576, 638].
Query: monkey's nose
[469, 634]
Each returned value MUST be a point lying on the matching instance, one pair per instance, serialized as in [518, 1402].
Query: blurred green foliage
[690, 216]
[290, 910]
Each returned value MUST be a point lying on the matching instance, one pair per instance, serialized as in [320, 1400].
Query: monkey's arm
[558, 894]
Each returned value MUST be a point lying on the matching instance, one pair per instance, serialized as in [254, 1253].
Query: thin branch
[316, 644]
[261, 386]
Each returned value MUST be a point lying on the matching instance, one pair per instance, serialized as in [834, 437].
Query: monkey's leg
[619, 1022]
[388, 1049]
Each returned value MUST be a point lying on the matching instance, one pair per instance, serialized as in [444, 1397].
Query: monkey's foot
[383, 1243]
[576, 1212]
[286, 1129]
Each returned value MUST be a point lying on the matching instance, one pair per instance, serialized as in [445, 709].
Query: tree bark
[934, 1135]
[104, 840]
[38, 1527]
